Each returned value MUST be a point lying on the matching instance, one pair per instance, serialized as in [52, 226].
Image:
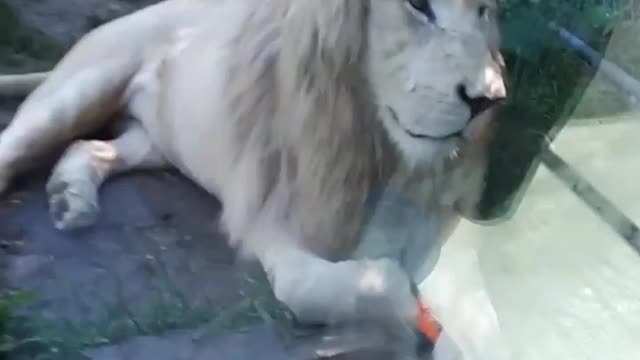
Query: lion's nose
[491, 92]
[490, 83]
[486, 91]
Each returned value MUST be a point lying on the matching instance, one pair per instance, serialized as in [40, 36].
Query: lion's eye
[483, 11]
[424, 6]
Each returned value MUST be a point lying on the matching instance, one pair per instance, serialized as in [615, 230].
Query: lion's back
[179, 97]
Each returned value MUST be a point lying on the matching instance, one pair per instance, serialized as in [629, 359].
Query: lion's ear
[326, 33]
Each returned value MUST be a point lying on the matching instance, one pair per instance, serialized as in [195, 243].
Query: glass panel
[562, 256]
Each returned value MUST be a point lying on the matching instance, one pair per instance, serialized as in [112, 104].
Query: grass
[33, 337]
[11, 302]
[549, 85]
[546, 82]
[603, 98]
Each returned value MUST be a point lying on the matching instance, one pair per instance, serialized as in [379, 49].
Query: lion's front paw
[385, 291]
[72, 205]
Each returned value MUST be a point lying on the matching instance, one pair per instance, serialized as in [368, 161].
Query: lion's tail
[20, 85]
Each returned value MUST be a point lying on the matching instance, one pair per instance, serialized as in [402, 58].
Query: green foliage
[547, 81]
[591, 20]
[10, 303]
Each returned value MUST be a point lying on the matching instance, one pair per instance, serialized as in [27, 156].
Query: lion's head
[333, 98]
[433, 65]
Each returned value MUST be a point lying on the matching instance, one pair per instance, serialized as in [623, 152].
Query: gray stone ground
[154, 279]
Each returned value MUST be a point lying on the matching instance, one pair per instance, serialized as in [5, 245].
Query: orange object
[427, 324]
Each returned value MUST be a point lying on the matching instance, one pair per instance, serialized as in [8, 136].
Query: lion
[311, 121]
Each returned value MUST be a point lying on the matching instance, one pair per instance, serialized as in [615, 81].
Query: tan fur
[293, 113]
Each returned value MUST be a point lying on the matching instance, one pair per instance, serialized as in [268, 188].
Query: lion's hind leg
[71, 102]
[85, 165]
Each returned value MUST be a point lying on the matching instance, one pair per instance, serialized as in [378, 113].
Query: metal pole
[611, 71]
